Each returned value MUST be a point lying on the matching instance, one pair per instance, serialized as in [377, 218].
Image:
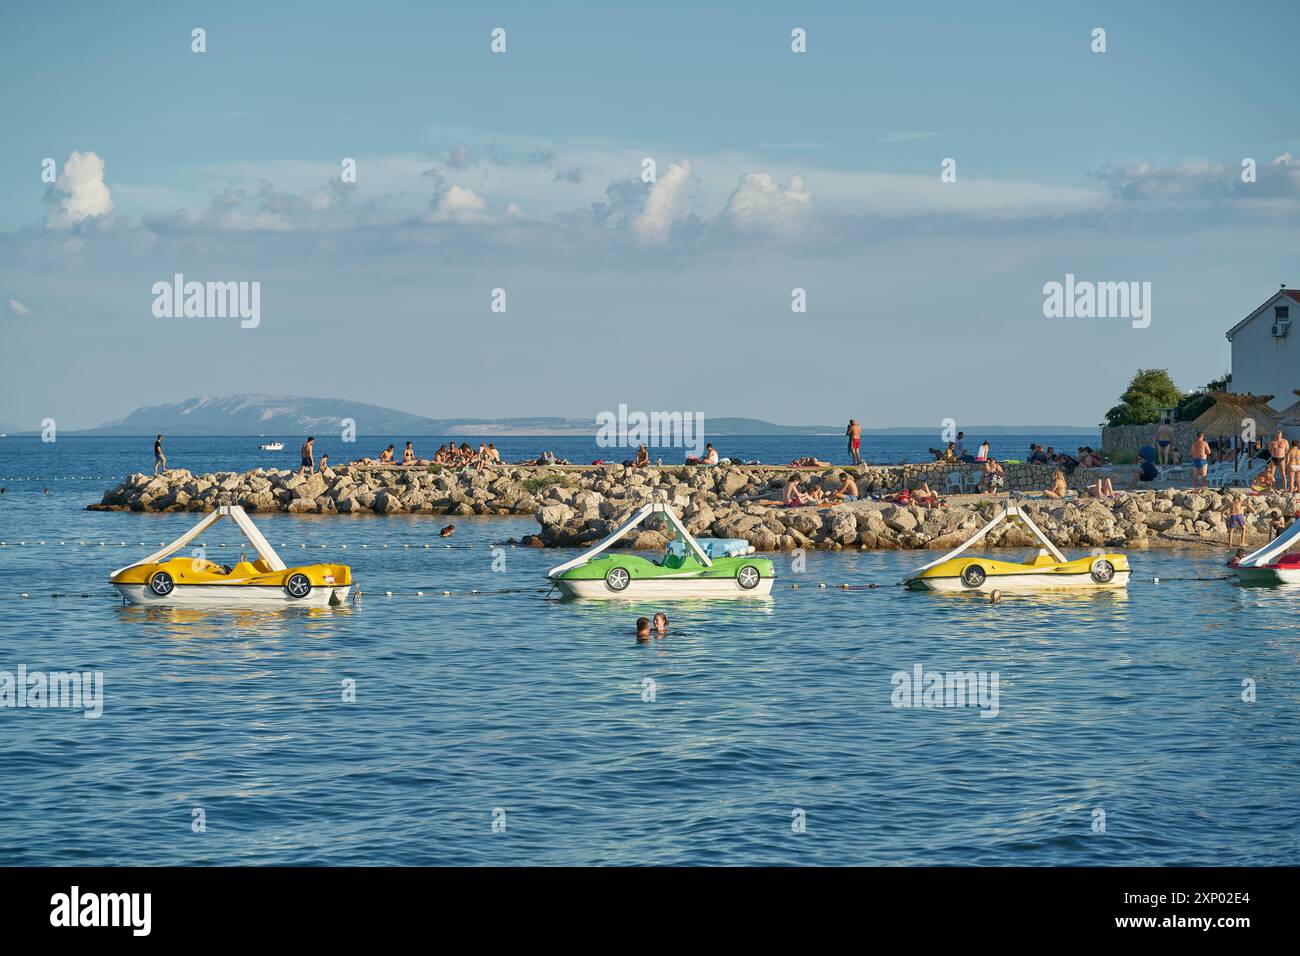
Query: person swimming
[661, 623]
[642, 629]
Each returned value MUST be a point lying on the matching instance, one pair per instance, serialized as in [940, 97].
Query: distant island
[294, 415]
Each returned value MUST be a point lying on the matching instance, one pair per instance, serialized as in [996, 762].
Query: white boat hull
[1268, 575]
[232, 595]
[660, 589]
[1022, 582]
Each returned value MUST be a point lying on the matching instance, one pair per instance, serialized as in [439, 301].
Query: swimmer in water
[642, 629]
[661, 624]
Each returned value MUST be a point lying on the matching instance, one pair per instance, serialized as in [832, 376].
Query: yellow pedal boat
[197, 582]
[1048, 568]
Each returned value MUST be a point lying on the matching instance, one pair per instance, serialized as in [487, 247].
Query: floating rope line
[72, 478]
[342, 547]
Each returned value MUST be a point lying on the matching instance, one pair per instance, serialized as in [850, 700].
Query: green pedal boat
[690, 567]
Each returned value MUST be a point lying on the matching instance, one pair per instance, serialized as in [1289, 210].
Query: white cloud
[460, 157]
[459, 205]
[1198, 181]
[668, 202]
[761, 204]
[17, 308]
[79, 193]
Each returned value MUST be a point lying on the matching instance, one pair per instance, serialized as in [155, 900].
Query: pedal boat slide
[1049, 568]
[690, 568]
[197, 582]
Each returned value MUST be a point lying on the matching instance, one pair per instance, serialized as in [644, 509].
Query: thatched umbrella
[1290, 416]
[1231, 412]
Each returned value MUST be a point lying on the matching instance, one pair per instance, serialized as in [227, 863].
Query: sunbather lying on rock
[809, 462]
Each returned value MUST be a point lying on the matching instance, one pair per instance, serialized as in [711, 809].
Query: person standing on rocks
[854, 434]
[159, 459]
[1235, 509]
[1293, 467]
[1164, 438]
[1277, 450]
[307, 456]
[1200, 461]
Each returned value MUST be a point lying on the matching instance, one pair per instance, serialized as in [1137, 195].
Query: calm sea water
[466, 705]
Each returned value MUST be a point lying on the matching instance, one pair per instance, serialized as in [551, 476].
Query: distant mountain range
[289, 416]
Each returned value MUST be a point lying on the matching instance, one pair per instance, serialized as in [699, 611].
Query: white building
[1266, 349]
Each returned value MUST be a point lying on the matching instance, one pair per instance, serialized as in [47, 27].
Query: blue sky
[522, 170]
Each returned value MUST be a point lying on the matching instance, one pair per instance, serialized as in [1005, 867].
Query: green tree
[1150, 392]
[1194, 404]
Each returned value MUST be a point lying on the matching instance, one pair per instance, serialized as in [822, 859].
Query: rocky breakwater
[346, 490]
[575, 506]
[575, 517]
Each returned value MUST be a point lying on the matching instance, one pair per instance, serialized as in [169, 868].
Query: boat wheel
[748, 577]
[161, 584]
[298, 585]
[617, 579]
[973, 576]
[1102, 571]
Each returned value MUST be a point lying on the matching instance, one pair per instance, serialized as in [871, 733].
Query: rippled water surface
[1130, 704]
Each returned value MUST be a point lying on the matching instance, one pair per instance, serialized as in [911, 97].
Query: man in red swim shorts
[854, 435]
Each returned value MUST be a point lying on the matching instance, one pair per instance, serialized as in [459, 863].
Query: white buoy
[446, 594]
[1155, 580]
[419, 594]
[388, 593]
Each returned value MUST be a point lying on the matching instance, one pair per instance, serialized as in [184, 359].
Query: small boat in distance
[272, 446]
[1049, 568]
[690, 568]
[198, 582]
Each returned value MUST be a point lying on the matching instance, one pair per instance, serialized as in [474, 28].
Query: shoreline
[578, 505]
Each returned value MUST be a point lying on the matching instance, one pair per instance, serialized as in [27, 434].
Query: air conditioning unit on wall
[1280, 328]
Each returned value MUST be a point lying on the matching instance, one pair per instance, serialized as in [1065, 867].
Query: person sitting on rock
[386, 456]
[1059, 486]
[794, 498]
[642, 457]
[494, 456]
[408, 454]
[1147, 471]
[994, 477]
[848, 489]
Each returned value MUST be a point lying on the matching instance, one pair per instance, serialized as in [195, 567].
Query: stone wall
[1125, 440]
